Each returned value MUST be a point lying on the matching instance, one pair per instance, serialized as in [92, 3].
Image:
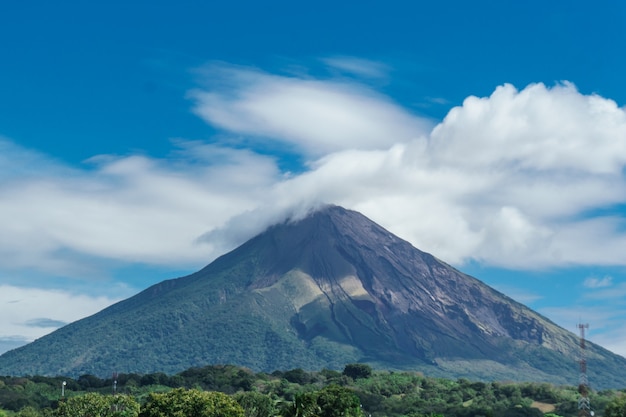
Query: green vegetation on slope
[300, 393]
[330, 289]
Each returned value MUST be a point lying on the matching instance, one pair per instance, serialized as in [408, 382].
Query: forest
[225, 390]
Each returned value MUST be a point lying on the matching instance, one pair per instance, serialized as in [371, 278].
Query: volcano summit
[329, 289]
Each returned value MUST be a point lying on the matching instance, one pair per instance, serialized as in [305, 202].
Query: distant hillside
[331, 289]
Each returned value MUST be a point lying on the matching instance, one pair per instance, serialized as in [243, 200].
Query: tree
[28, 411]
[191, 403]
[255, 404]
[330, 374]
[304, 405]
[616, 407]
[357, 370]
[297, 376]
[335, 401]
[97, 405]
[90, 381]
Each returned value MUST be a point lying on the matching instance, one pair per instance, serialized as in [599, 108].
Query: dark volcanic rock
[323, 291]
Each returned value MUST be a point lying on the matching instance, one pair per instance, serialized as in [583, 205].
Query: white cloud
[519, 179]
[131, 209]
[506, 180]
[608, 292]
[595, 282]
[313, 116]
[29, 313]
[606, 323]
[536, 130]
[357, 66]
[614, 340]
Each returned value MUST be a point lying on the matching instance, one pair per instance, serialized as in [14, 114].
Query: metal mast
[584, 406]
[114, 383]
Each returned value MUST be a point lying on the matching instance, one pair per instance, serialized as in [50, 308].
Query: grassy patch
[543, 407]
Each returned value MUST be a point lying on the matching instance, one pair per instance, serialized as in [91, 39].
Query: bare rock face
[383, 294]
[323, 291]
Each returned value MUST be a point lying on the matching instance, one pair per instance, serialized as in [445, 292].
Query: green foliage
[616, 407]
[260, 306]
[298, 376]
[191, 403]
[223, 378]
[97, 405]
[391, 383]
[331, 401]
[335, 401]
[255, 404]
[357, 370]
[295, 393]
[304, 405]
[17, 393]
[90, 381]
[330, 374]
[28, 411]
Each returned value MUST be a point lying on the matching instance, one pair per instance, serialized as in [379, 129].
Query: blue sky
[140, 140]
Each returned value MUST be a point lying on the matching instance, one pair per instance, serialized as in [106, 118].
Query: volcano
[320, 292]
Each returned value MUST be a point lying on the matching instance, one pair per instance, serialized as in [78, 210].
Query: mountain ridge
[322, 291]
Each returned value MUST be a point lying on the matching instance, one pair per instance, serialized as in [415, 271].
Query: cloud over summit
[508, 179]
[523, 178]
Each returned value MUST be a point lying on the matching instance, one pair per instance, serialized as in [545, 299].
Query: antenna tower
[114, 383]
[584, 406]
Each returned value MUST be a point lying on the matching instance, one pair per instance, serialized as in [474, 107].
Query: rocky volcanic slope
[324, 291]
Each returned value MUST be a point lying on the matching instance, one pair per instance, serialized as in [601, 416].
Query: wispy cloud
[44, 322]
[29, 313]
[11, 342]
[615, 340]
[515, 179]
[608, 293]
[511, 176]
[358, 66]
[601, 305]
[594, 282]
[129, 209]
[316, 117]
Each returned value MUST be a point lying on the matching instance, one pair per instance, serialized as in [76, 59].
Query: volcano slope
[326, 290]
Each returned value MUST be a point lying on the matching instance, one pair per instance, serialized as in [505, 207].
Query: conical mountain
[330, 289]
